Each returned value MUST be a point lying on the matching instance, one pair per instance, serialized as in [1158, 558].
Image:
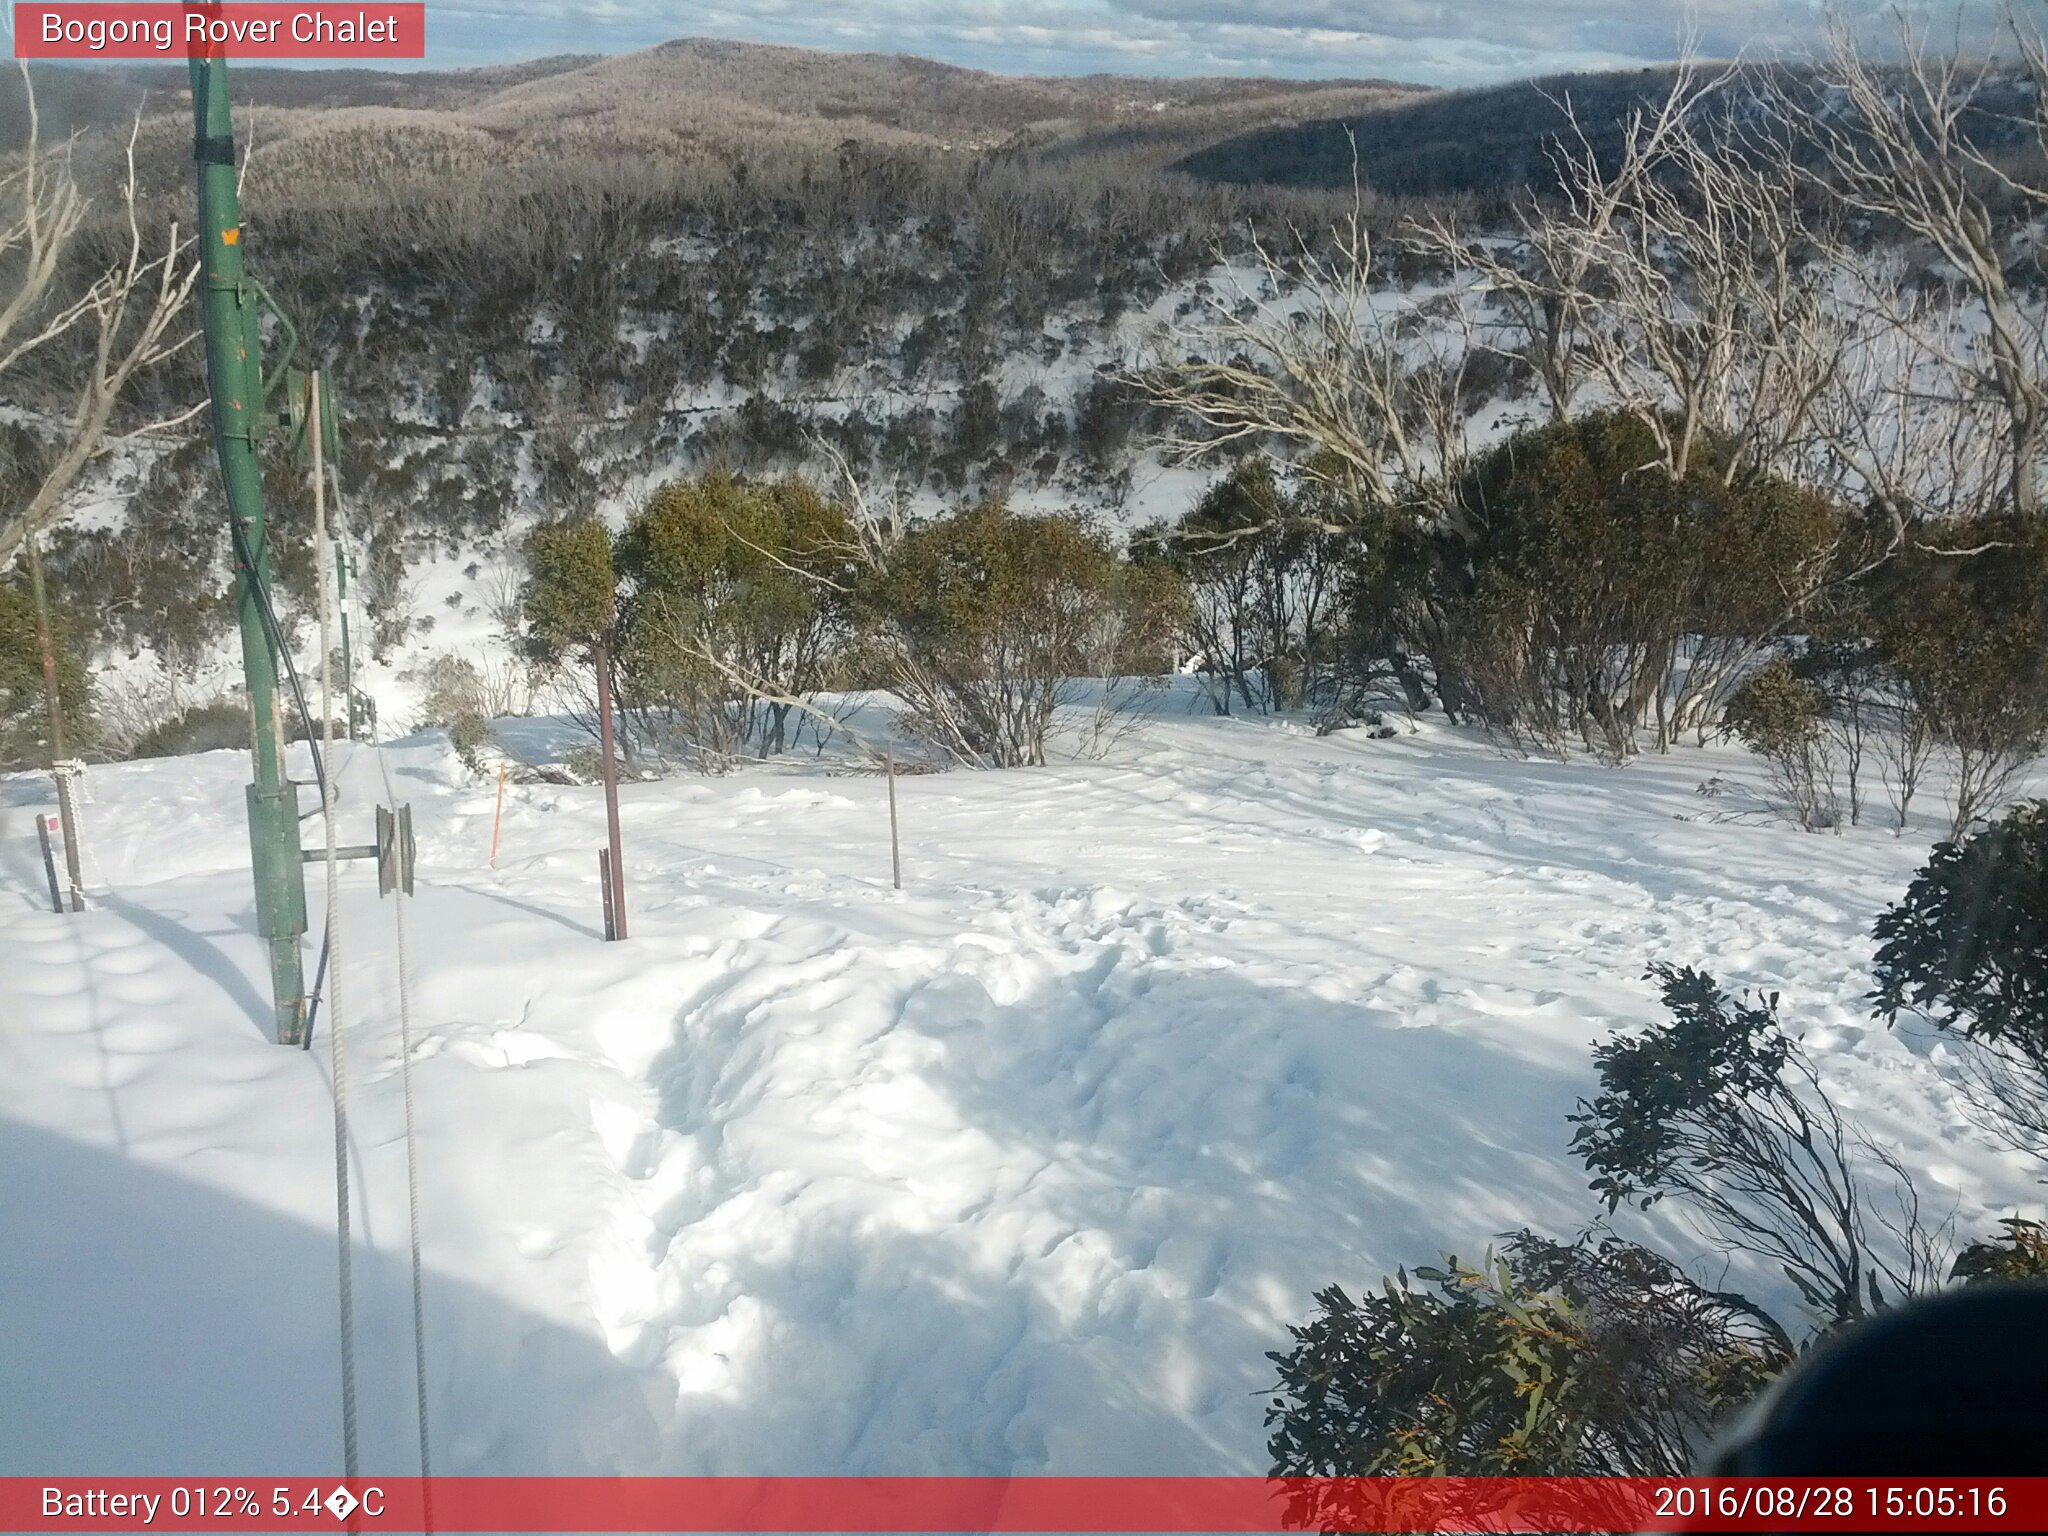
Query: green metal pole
[230, 316]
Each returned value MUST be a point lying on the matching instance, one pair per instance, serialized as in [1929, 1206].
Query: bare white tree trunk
[1311, 358]
[1906, 152]
[135, 310]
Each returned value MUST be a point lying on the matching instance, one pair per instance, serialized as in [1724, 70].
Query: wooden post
[53, 703]
[604, 880]
[615, 879]
[499, 818]
[895, 842]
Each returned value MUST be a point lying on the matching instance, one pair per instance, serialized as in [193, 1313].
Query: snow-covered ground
[1022, 1168]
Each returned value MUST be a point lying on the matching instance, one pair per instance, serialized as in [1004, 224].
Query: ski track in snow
[1021, 1169]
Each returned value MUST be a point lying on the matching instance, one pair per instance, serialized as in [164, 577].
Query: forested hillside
[547, 290]
[1490, 143]
[537, 288]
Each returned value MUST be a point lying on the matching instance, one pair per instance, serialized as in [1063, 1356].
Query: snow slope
[1021, 1169]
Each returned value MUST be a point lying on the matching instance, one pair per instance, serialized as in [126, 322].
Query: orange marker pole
[498, 820]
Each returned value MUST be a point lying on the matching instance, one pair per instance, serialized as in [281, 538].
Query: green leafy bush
[571, 596]
[1967, 948]
[470, 736]
[985, 623]
[1593, 594]
[737, 611]
[1263, 575]
[24, 719]
[1718, 1107]
[1596, 1357]
[1779, 715]
[1967, 944]
[1967, 637]
[2021, 1254]
[214, 726]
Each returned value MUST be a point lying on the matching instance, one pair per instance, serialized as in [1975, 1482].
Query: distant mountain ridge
[890, 95]
[1499, 141]
[1480, 141]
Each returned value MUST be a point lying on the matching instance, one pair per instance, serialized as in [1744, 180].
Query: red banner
[1050, 1504]
[114, 29]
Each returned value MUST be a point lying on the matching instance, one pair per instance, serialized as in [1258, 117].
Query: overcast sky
[1437, 42]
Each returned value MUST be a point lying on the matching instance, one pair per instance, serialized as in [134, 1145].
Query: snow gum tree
[23, 719]
[571, 597]
[1597, 592]
[571, 600]
[570, 607]
[739, 611]
[1263, 573]
[985, 623]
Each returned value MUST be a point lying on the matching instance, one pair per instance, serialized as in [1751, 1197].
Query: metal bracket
[283, 369]
[348, 851]
[396, 851]
[293, 416]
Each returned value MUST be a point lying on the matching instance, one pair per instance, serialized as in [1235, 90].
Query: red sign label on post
[112, 29]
